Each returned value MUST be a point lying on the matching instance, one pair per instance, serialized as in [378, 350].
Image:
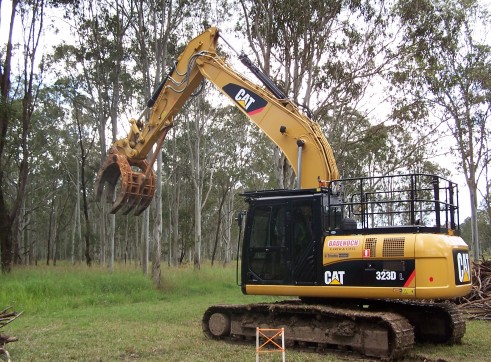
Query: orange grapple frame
[137, 180]
[136, 188]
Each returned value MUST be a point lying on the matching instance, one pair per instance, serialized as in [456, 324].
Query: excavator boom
[294, 133]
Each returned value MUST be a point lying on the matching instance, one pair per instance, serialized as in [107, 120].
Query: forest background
[396, 86]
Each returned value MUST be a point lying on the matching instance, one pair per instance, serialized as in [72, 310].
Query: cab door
[266, 249]
[305, 233]
[280, 242]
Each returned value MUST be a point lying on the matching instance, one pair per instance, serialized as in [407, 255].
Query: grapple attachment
[137, 183]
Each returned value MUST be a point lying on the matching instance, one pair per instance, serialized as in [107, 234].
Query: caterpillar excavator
[370, 264]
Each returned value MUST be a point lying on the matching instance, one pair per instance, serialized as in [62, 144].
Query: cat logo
[334, 277]
[244, 99]
[249, 101]
[462, 267]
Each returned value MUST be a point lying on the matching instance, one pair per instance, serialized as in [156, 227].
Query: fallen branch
[8, 315]
[477, 304]
[5, 354]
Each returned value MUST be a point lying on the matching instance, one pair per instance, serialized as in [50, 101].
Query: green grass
[82, 314]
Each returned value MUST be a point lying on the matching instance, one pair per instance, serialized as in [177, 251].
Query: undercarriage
[380, 329]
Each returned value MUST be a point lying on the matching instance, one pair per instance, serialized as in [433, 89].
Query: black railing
[418, 200]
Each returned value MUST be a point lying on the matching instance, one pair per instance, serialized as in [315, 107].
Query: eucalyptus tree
[380, 149]
[162, 23]
[153, 36]
[327, 56]
[180, 206]
[52, 144]
[446, 73]
[6, 216]
[87, 94]
[231, 164]
[197, 121]
[484, 231]
[487, 191]
[173, 168]
[179, 187]
[193, 19]
[99, 31]
[25, 89]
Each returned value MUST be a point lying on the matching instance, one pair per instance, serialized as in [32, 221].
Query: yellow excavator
[373, 262]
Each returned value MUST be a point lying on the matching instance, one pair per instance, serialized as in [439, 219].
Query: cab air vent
[371, 244]
[393, 247]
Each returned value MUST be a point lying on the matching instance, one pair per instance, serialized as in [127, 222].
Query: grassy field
[82, 314]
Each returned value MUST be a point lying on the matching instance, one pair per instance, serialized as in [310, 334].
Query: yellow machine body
[407, 266]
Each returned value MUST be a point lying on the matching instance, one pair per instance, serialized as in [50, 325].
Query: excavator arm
[298, 137]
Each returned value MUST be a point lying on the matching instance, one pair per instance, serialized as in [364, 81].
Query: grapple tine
[137, 188]
[147, 191]
[130, 198]
[141, 189]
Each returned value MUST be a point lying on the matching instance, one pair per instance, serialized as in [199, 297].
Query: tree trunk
[50, 232]
[157, 225]
[470, 166]
[145, 240]
[219, 223]
[174, 213]
[102, 234]
[6, 219]
[112, 232]
[197, 226]
[28, 245]
[161, 60]
[285, 177]
[5, 236]
[228, 224]
[195, 129]
[34, 22]
[83, 158]
[55, 234]
[72, 238]
[476, 245]
[114, 121]
[76, 232]
[19, 226]
[487, 195]
[35, 26]
[174, 206]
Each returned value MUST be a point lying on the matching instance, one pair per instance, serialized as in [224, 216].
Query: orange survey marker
[270, 335]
